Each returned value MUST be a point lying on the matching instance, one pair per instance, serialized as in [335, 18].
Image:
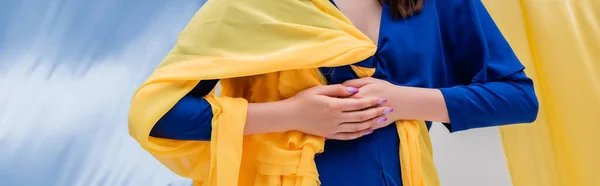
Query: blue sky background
[68, 69]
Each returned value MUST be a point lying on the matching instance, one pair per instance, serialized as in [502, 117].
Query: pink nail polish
[368, 132]
[351, 89]
[382, 101]
[381, 120]
[388, 110]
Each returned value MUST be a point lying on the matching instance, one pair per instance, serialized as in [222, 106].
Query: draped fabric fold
[261, 51]
[559, 43]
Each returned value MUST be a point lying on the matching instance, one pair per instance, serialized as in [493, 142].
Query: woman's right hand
[328, 112]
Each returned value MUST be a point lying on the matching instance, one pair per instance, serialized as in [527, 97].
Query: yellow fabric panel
[559, 43]
[429, 172]
[261, 51]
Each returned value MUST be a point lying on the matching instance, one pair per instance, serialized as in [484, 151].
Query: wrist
[397, 100]
[285, 115]
[414, 103]
[267, 117]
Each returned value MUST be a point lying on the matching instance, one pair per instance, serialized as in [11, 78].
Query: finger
[361, 126]
[350, 135]
[359, 104]
[365, 114]
[357, 96]
[335, 90]
[359, 82]
[381, 124]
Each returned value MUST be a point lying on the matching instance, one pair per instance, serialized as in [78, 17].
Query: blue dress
[452, 45]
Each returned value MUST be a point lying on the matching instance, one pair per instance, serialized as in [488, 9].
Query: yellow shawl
[261, 50]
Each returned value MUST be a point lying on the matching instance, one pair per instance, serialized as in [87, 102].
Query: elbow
[521, 101]
[189, 119]
[532, 111]
[530, 104]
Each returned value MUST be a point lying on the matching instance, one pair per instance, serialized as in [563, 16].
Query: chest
[364, 14]
[410, 51]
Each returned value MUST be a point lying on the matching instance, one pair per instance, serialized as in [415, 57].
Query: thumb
[335, 91]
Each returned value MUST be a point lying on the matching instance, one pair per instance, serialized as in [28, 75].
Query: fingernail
[351, 89]
[388, 110]
[382, 101]
[381, 120]
[368, 132]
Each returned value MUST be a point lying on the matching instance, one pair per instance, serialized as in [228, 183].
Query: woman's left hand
[369, 87]
[409, 103]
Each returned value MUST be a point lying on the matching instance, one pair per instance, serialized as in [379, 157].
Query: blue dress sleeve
[190, 118]
[493, 88]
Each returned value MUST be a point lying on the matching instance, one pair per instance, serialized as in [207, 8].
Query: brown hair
[404, 8]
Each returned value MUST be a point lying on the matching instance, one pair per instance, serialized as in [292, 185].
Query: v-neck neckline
[379, 32]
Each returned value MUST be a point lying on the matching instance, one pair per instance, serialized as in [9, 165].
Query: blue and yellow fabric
[256, 65]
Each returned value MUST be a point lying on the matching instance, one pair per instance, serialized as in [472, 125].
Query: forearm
[419, 104]
[508, 101]
[267, 117]
[491, 104]
[191, 119]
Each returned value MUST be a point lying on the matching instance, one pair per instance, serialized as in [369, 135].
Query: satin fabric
[558, 41]
[257, 64]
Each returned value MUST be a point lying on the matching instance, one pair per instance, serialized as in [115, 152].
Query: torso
[409, 50]
[373, 160]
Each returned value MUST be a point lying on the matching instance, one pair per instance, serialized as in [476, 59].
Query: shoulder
[453, 4]
[456, 8]
[459, 13]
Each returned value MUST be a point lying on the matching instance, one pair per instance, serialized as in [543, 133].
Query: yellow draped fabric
[559, 43]
[262, 51]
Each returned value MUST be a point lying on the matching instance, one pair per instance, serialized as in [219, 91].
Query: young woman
[437, 60]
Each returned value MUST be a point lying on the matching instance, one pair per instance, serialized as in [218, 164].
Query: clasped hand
[344, 111]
